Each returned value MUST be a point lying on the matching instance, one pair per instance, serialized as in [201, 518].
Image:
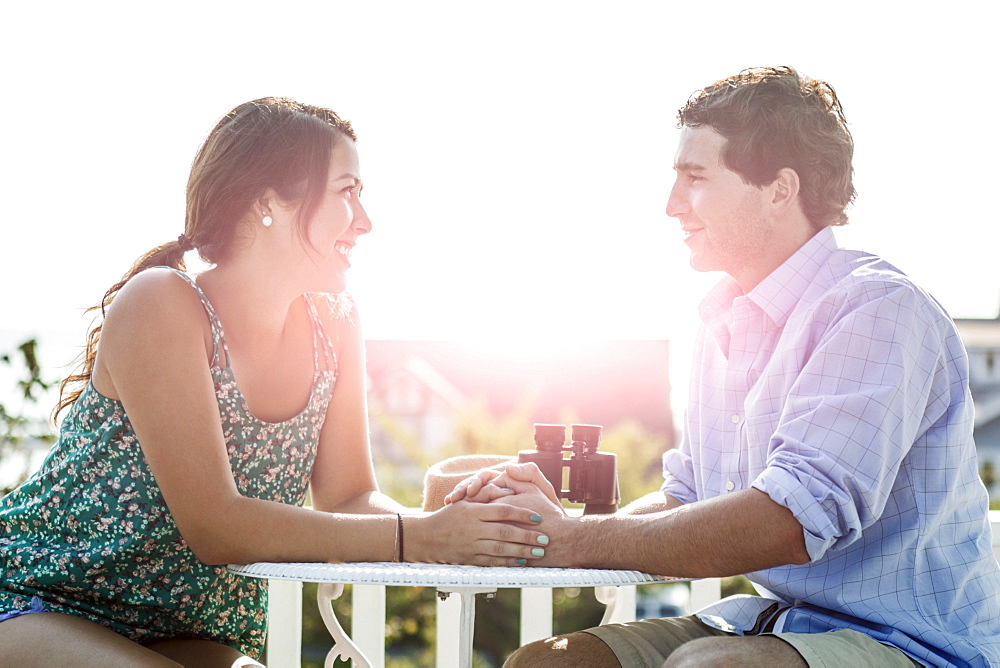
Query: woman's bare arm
[152, 358]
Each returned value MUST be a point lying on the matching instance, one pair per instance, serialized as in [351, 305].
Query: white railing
[285, 615]
[284, 649]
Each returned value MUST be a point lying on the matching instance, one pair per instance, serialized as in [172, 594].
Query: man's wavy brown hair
[773, 118]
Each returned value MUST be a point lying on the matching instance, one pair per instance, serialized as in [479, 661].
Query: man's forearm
[654, 502]
[729, 535]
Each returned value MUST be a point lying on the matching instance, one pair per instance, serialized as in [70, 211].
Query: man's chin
[701, 264]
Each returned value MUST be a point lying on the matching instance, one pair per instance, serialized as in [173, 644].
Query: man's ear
[785, 189]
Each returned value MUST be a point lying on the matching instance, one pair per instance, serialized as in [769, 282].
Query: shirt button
[735, 419]
[730, 486]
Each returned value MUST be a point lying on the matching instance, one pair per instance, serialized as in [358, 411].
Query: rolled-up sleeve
[678, 474]
[869, 387]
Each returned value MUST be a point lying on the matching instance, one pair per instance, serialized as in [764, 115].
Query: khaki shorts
[648, 642]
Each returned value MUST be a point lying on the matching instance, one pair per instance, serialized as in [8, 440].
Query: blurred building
[982, 341]
[424, 385]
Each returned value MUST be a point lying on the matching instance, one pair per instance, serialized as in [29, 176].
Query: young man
[828, 449]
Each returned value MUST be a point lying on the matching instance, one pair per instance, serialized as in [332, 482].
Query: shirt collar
[780, 291]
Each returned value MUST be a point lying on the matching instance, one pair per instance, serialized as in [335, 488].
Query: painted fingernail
[521, 562]
[536, 518]
[538, 552]
[506, 489]
[543, 540]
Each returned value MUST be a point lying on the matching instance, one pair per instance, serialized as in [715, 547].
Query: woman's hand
[482, 534]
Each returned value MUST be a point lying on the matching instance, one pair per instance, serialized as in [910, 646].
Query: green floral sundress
[89, 534]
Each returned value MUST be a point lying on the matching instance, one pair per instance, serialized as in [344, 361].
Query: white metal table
[466, 581]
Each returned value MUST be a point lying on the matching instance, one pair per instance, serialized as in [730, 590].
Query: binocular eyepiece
[593, 475]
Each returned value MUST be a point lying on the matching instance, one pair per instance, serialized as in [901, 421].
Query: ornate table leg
[466, 625]
[343, 647]
[620, 602]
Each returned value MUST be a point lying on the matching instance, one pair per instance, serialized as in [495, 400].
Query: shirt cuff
[674, 466]
[785, 489]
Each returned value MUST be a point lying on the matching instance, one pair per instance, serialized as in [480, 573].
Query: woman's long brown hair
[272, 142]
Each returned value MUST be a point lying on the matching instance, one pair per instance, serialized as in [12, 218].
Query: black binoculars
[593, 475]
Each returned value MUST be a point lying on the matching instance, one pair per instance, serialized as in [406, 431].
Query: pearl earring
[266, 220]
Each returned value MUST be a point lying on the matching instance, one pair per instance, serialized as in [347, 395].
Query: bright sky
[516, 154]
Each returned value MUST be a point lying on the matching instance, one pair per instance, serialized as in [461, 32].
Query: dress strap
[321, 340]
[218, 339]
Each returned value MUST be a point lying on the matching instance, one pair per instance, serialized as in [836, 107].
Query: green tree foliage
[639, 458]
[17, 427]
[478, 432]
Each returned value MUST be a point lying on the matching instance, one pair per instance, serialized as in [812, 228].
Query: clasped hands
[520, 485]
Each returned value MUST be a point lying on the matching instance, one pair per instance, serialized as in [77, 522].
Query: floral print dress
[89, 534]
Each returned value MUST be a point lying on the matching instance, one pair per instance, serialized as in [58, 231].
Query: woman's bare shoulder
[158, 294]
[155, 310]
[156, 324]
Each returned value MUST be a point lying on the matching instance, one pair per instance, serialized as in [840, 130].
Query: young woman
[206, 407]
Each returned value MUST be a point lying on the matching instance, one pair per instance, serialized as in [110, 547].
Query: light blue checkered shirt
[840, 389]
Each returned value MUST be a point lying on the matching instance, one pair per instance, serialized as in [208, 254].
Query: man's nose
[676, 203]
